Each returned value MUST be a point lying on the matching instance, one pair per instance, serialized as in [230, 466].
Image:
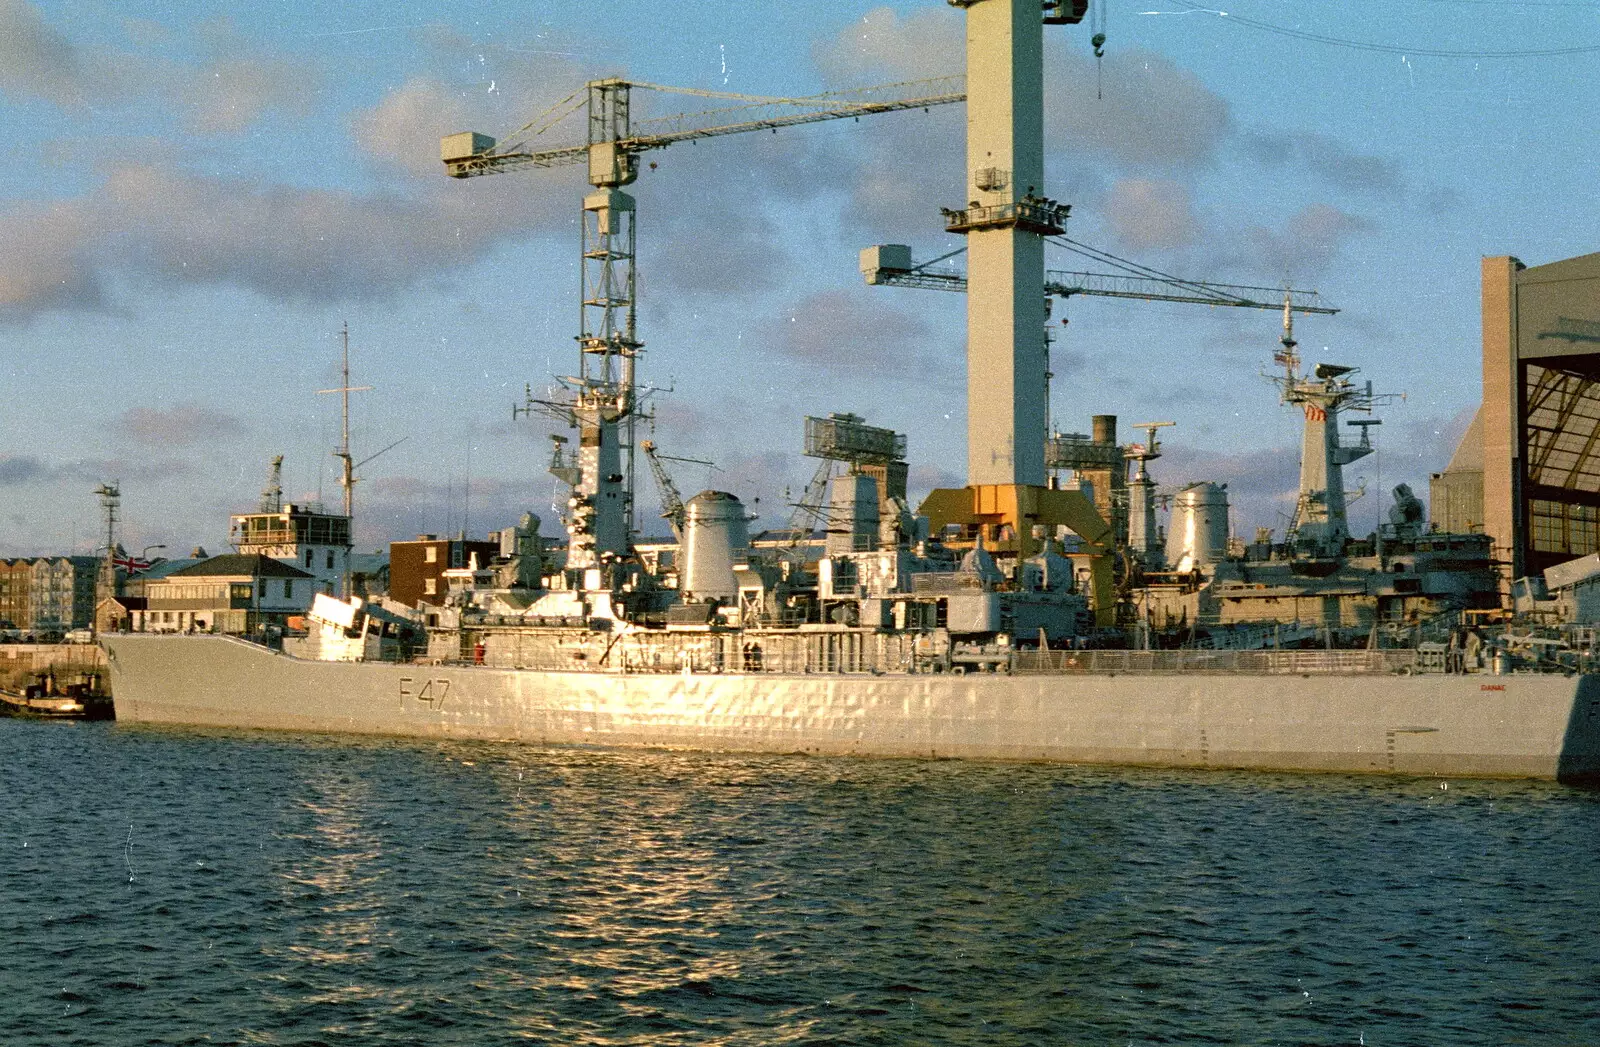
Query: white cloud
[36, 61]
[848, 330]
[1150, 214]
[179, 426]
[226, 93]
[1309, 240]
[20, 469]
[1324, 156]
[1138, 111]
[43, 266]
[228, 97]
[285, 242]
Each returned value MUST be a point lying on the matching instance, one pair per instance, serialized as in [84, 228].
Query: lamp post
[146, 551]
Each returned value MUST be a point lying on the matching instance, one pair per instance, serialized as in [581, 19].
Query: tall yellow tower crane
[603, 401]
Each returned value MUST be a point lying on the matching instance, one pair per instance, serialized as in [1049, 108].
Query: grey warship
[1019, 617]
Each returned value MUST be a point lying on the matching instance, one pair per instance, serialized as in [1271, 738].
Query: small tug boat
[46, 699]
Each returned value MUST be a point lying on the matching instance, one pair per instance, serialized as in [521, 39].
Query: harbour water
[183, 887]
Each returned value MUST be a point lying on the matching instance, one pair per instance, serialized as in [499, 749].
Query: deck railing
[1262, 662]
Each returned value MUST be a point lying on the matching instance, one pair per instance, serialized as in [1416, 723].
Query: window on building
[330, 559]
[430, 554]
[308, 557]
[430, 586]
[288, 589]
[1565, 528]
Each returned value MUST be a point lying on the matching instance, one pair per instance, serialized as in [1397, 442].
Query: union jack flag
[130, 563]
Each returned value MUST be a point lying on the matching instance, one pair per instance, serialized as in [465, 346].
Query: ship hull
[1535, 726]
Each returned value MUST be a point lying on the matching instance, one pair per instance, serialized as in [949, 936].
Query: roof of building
[30, 561]
[368, 563]
[240, 565]
[162, 568]
[1469, 451]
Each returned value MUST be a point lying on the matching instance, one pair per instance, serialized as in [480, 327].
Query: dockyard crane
[604, 389]
[843, 438]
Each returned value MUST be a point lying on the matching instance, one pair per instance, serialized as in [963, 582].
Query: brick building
[15, 583]
[61, 593]
[416, 569]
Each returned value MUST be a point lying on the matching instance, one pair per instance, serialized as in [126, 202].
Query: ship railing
[1224, 661]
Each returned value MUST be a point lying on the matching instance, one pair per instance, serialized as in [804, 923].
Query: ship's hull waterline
[1535, 726]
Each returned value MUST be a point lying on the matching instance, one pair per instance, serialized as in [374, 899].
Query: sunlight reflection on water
[290, 890]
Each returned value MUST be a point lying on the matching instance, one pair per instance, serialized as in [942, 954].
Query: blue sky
[199, 194]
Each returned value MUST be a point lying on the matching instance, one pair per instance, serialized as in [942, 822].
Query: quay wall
[19, 661]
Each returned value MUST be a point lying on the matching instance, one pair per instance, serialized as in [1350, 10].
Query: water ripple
[208, 887]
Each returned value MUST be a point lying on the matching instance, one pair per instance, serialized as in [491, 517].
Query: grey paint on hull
[1512, 726]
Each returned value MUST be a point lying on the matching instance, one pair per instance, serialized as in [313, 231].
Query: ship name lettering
[1491, 687]
[432, 691]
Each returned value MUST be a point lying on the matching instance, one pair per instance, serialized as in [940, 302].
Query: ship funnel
[714, 539]
[1199, 532]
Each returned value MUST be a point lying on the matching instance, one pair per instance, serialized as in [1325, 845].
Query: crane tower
[1005, 220]
[603, 400]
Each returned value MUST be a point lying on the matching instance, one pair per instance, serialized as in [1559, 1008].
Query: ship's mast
[603, 400]
[347, 467]
[272, 494]
[1143, 538]
[347, 478]
[1321, 526]
[111, 502]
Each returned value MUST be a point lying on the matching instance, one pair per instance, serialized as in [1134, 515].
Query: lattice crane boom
[882, 266]
[613, 145]
[672, 509]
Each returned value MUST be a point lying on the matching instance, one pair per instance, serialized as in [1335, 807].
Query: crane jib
[491, 163]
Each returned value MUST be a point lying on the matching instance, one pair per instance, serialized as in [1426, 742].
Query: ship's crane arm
[672, 509]
[613, 142]
[671, 501]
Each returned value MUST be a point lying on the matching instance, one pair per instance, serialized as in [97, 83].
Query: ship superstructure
[1318, 585]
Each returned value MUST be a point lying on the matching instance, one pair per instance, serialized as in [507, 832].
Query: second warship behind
[1016, 617]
